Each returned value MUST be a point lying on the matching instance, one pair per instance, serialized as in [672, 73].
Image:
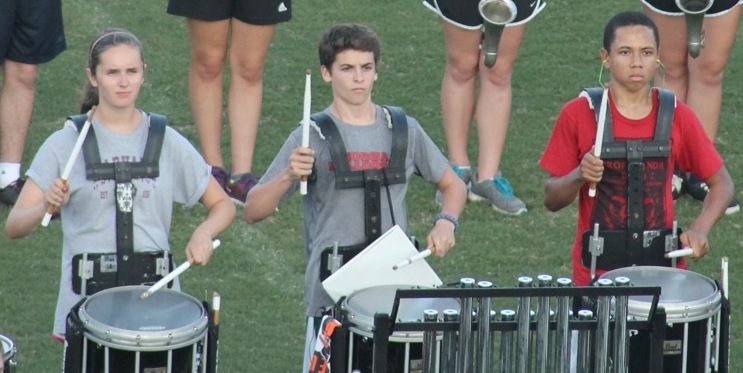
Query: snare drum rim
[10, 352]
[363, 324]
[132, 340]
[695, 310]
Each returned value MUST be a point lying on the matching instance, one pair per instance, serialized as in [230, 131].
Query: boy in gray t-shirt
[349, 55]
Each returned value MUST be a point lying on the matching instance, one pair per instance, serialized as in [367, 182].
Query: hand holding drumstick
[58, 193]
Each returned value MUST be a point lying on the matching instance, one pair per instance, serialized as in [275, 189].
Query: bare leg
[674, 73]
[493, 110]
[458, 89]
[208, 52]
[704, 93]
[249, 47]
[16, 106]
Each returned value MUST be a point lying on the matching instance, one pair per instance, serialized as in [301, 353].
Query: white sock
[9, 172]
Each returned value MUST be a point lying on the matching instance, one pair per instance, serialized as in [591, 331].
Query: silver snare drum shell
[686, 296]
[361, 306]
[8, 353]
[165, 320]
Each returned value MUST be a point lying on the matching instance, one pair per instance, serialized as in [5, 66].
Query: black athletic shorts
[669, 7]
[255, 12]
[31, 31]
[465, 13]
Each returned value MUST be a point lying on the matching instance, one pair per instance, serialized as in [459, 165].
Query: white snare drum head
[8, 347]
[685, 295]
[117, 317]
[363, 304]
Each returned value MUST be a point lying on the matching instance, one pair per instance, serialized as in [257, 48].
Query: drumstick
[306, 125]
[679, 253]
[724, 276]
[215, 307]
[599, 134]
[71, 162]
[421, 255]
[170, 276]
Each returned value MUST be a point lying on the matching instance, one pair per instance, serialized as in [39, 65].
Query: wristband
[448, 217]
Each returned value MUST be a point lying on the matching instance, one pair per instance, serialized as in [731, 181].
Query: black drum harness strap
[371, 180]
[128, 266]
[636, 239]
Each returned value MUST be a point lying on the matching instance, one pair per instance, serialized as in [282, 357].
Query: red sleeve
[573, 136]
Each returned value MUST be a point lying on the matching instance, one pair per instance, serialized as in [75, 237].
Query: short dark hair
[347, 36]
[630, 18]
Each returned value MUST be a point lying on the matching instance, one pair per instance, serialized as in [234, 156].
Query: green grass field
[259, 269]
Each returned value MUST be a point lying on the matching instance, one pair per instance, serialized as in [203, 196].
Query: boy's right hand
[301, 161]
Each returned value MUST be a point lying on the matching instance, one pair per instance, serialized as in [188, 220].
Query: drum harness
[370, 180]
[97, 272]
[612, 249]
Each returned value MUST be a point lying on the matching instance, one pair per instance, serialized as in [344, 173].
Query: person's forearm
[23, 221]
[562, 191]
[263, 199]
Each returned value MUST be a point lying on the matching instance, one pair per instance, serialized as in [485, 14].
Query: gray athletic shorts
[256, 12]
[31, 31]
[669, 7]
[465, 14]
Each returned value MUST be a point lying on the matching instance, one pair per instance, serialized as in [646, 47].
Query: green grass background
[259, 269]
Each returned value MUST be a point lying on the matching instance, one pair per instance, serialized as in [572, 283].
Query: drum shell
[405, 347]
[163, 309]
[9, 351]
[686, 296]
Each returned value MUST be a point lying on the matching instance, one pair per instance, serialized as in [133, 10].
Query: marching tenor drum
[692, 303]
[8, 354]
[165, 332]
[405, 354]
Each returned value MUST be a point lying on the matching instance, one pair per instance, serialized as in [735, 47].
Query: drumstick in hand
[71, 162]
[306, 125]
[599, 134]
[421, 255]
[172, 275]
[679, 253]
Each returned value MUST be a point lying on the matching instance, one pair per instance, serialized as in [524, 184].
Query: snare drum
[405, 348]
[8, 354]
[166, 332]
[692, 303]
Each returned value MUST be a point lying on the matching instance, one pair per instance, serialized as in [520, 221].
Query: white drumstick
[599, 134]
[172, 275]
[679, 253]
[306, 125]
[724, 276]
[71, 161]
[421, 255]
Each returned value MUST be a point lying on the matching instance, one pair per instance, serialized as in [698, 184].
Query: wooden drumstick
[216, 300]
[172, 275]
[599, 134]
[71, 162]
[306, 125]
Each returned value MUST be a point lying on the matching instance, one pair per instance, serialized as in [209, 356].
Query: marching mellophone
[496, 14]
[694, 11]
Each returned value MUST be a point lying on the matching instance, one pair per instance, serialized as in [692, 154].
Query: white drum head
[686, 296]
[363, 304]
[117, 317]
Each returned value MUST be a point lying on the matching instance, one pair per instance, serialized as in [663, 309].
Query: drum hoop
[363, 324]
[10, 352]
[144, 340]
[698, 309]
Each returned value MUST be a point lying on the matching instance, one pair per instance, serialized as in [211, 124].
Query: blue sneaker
[499, 192]
[464, 173]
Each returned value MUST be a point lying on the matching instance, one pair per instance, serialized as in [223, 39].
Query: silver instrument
[496, 14]
[694, 11]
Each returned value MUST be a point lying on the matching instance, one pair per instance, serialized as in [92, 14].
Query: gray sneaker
[499, 193]
[464, 173]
